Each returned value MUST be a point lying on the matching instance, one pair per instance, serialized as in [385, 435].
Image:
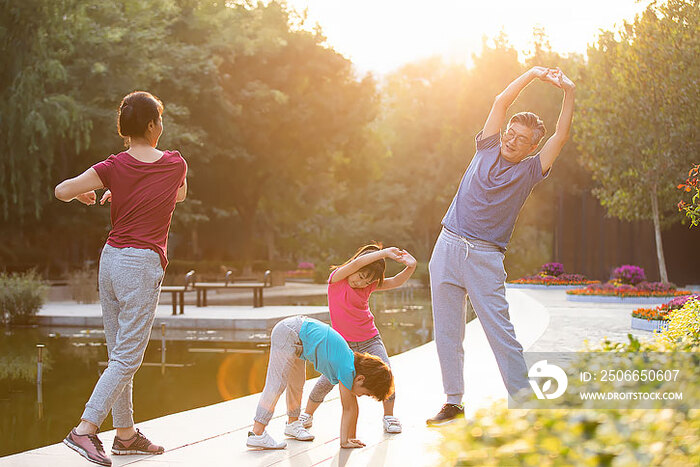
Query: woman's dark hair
[135, 111]
[375, 269]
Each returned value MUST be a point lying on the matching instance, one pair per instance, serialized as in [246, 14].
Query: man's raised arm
[503, 101]
[554, 145]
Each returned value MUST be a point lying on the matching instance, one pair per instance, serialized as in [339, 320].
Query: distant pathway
[572, 323]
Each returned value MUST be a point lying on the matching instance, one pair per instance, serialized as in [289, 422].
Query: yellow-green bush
[683, 325]
[499, 436]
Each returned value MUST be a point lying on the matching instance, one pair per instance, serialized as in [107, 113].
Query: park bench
[178, 292]
[257, 287]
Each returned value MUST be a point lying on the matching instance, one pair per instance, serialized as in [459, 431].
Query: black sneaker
[448, 413]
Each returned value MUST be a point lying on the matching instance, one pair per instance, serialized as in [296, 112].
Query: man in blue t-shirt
[468, 255]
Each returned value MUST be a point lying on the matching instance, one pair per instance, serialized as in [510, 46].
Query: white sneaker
[306, 420]
[392, 424]
[263, 441]
[296, 430]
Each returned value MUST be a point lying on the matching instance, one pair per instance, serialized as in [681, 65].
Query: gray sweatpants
[373, 346]
[459, 267]
[284, 370]
[129, 282]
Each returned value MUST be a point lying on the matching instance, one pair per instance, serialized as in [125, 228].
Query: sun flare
[379, 36]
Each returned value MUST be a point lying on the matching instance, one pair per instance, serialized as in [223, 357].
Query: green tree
[300, 114]
[69, 64]
[639, 113]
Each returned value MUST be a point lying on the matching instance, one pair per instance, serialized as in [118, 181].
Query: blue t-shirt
[492, 193]
[328, 352]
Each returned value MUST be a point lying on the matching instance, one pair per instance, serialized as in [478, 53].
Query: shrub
[691, 185]
[552, 269]
[498, 436]
[683, 323]
[628, 274]
[83, 285]
[571, 277]
[21, 297]
[656, 286]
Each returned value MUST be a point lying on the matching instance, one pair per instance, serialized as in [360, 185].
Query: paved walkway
[574, 323]
[215, 435]
[210, 317]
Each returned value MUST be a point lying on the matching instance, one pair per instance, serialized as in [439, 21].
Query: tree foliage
[639, 110]
[292, 154]
[639, 113]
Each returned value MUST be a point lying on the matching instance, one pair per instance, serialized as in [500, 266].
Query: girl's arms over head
[348, 421]
[81, 187]
[362, 261]
[399, 279]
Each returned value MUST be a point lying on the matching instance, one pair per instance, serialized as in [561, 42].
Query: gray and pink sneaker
[88, 446]
[137, 444]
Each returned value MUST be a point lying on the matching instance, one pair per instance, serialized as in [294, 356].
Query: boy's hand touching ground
[352, 443]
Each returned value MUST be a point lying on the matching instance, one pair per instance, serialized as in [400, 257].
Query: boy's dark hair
[531, 121]
[135, 111]
[379, 380]
[376, 269]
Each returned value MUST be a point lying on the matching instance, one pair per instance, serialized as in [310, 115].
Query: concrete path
[574, 323]
[215, 435]
[273, 295]
[210, 317]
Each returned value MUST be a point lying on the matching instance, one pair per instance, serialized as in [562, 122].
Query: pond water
[201, 368]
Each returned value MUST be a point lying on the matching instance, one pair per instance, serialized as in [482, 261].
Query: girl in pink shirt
[349, 288]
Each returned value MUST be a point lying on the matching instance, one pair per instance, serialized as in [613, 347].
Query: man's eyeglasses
[519, 139]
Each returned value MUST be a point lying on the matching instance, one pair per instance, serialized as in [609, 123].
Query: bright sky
[381, 35]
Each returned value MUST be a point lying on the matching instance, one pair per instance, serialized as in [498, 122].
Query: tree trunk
[657, 233]
[194, 239]
[272, 253]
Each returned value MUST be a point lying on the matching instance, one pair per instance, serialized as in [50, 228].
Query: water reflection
[186, 370]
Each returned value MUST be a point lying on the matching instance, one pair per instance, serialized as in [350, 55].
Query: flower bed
[649, 325]
[630, 281]
[608, 289]
[552, 274]
[654, 319]
[549, 280]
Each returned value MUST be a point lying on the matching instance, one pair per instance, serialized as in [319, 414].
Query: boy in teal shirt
[296, 340]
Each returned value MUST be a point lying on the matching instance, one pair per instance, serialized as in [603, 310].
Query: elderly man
[468, 255]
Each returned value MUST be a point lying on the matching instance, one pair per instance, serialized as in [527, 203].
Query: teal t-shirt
[328, 352]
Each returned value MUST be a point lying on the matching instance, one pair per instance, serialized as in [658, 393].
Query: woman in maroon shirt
[144, 184]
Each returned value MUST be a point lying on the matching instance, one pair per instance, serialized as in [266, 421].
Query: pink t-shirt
[143, 199]
[349, 309]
